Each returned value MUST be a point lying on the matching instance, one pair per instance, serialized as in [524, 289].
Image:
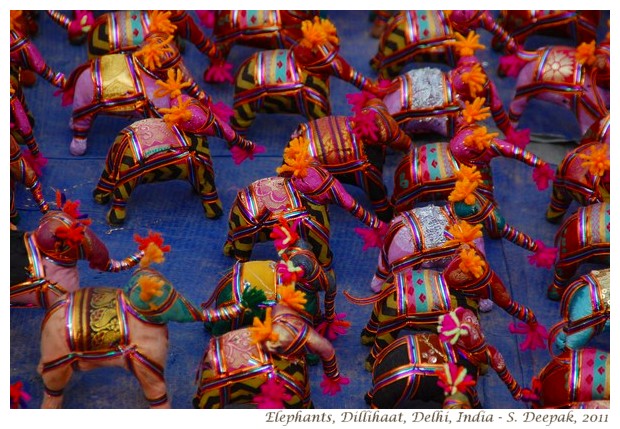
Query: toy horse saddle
[126, 29]
[265, 20]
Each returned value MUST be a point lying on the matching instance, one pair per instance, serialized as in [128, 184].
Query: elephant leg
[516, 109]
[81, 127]
[316, 102]
[377, 193]
[559, 204]
[316, 232]
[54, 382]
[152, 383]
[564, 271]
[369, 333]
[122, 192]
[205, 186]
[239, 244]
[384, 338]
[105, 186]
[243, 117]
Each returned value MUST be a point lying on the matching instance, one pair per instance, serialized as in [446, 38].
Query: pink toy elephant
[428, 171]
[44, 261]
[582, 176]
[572, 78]
[26, 57]
[133, 85]
[353, 148]
[23, 172]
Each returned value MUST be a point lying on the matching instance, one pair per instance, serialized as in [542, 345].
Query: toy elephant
[126, 85]
[583, 237]
[415, 238]
[574, 379]
[355, 155]
[427, 35]
[266, 367]
[585, 310]
[580, 25]
[582, 176]
[26, 58]
[169, 148]
[97, 327]
[430, 100]
[425, 370]
[23, 172]
[428, 171]
[573, 78]
[415, 299]
[44, 261]
[269, 276]
[124, 31]
[265, 29]
[300, 194]
[295, 80]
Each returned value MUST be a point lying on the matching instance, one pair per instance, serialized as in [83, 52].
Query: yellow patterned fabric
[261, 275]
[117, 80]
[94, 320]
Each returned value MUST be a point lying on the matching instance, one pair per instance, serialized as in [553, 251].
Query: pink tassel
[284, 235]
[333, 329]
[519, 138]
[81, 24]
[272, 395]
[535, 335]
[358, 101]
[239, 155]
[35, 162]
[222, 110]
[19, 397]
[286, 275]
[542, 176]
[331, 386]
[66, 94]
[543, 256]
[510, 65]
[219, 73]
[206, 18]
[373, 237]
[527, 395]
[365, 126]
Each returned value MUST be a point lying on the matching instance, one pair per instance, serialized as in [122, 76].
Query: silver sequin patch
[433, 223]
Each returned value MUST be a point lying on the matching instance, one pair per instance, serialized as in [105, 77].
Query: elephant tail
[369, 299]
[69, 89]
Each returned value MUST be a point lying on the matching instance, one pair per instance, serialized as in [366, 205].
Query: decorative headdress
[71, 235]
[262, 332]
[178, 113]
[597, 159]
[160, 22]
[466, 46]
[463, 232]
[479, 139]
[294, 298]
[156, 52]
[468, 179]
[471, 262]
[473, 112]
[297, 159]
[450, 327]
[173, 85]
[475, 78]
[586, 53]
[317, 32]
[453, 378]
[284, 235]
[153, 247]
